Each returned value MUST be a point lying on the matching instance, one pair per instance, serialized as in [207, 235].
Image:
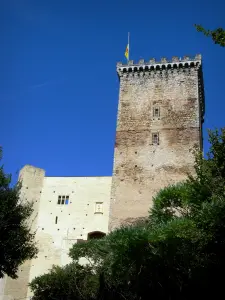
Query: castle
[160, 116]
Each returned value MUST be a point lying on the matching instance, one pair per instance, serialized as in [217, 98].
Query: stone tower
[160, 116]
[32, 182]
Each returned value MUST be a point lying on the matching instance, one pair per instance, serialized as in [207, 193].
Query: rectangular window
[99, 208]
[56, 220]
[63, 200]
[155, 139]
[156, 112]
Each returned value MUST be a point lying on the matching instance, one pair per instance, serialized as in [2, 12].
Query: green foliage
[201, 200]
[94, 250]
[170, 203]
[217, 35]
[177, 254]
[16, 240]
[72, 282]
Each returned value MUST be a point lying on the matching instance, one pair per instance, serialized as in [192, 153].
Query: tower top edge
[163, 62]
[31, 167]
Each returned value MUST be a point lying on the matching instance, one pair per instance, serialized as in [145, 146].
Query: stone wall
[164, 100]
[58, 226]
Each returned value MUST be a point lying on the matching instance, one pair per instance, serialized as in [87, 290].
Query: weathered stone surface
[141, 168]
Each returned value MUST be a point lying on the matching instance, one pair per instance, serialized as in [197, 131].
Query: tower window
[56, 220]
[155, 139]
[156, 112]
[63, 199]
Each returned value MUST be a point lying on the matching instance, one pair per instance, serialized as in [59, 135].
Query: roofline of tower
[185, 63]
[71, 176]
[164, 64]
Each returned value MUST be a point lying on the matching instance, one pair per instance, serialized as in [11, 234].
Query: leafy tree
[135, 261]
[16, 241]
[217, 35]
[72, 282]
[201, 199]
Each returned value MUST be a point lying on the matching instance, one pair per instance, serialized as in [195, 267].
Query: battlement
[163, 64]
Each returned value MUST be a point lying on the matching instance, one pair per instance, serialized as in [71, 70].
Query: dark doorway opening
[96, 235]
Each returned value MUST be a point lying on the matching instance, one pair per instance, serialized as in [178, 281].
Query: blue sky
[58, 81]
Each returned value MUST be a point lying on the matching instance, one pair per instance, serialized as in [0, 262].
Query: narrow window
[56, 220]
[156, 112]
[59, 199]
[63, 200]
[155, 139]
[67, 199]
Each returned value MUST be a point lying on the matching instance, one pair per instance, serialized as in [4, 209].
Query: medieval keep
[159, 122]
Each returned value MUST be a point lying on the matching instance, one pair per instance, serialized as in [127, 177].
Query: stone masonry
[58, 226]
[160, 116]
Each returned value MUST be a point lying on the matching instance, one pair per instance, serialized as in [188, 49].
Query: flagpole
[128, 46]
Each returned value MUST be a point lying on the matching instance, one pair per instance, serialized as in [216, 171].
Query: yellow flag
[127, 52]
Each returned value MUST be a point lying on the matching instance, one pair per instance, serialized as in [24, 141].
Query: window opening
[99, 207]
[155, 138]
[156, 112]
[63, 199]
[96, 235]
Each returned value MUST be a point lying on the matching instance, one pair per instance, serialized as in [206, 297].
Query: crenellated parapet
[163, 68]
[164, 64]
